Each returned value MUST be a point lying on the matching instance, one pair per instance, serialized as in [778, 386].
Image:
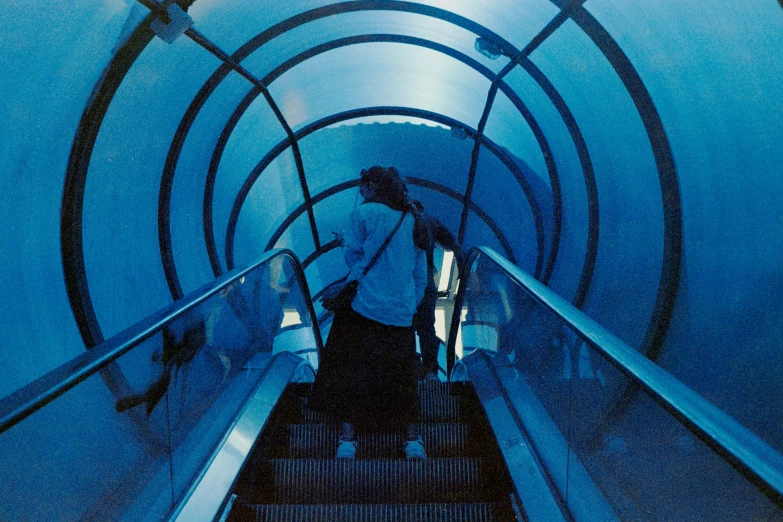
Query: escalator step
[425, 388]
[320, 441]
[465, 512]
[375, 481]
[436, 401]
[438, 407]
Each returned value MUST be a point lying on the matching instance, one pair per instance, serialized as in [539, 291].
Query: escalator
[292, 475]
[547, 417]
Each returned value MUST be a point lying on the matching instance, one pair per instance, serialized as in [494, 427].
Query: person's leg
[346, 446]
[347, 431]
[424, 323]
[414, 445]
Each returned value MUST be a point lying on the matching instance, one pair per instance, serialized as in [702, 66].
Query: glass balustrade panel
[599, 434]
[79, 458]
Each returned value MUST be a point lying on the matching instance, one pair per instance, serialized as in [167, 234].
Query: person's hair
[392, 191]
[390, 188]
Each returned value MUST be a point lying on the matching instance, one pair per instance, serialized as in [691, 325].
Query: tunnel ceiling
[585, 140]
[240, 144]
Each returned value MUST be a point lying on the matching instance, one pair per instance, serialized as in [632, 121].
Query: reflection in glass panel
[109, 448]
[216, 352]
[637, 446]
[79, 459]
[601, 437]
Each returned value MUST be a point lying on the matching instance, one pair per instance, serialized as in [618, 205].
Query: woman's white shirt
[390, 292]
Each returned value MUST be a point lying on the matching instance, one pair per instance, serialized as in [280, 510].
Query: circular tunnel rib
[375, 111]
[593, 214]
[672, 218]
[277, 72]
[670, 185]
[223, 71]
[347, 185]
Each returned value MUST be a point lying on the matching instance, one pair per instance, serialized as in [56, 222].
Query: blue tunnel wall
[631, 159]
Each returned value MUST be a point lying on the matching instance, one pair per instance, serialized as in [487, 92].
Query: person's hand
[340, 237]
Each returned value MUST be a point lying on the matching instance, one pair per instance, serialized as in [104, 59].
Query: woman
[368, 375]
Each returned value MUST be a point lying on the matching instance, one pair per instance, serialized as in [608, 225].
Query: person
[424, 319]
[367, 373]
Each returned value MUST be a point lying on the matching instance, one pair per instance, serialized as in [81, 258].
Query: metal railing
[752, 457]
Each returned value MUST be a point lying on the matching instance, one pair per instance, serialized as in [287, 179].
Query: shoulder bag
[340, 294]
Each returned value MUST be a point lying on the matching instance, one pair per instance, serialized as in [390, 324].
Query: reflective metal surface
[212, 488]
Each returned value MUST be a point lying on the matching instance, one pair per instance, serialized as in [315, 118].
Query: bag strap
[385, 244]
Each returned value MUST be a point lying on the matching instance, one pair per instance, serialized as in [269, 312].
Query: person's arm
[353, 244]
[420, 274]
[444, 237]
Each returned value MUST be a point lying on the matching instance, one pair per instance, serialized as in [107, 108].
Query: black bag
[340, 294]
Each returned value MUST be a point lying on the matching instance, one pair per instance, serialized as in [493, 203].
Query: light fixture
[171, 24]
[489, 49]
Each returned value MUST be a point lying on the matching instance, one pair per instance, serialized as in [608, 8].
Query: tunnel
[625, 155]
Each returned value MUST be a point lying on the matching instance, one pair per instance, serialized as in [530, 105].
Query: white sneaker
[414, 449]
[346, 449]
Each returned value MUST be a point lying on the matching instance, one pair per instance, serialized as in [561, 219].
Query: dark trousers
[424, 325]
[367, 374]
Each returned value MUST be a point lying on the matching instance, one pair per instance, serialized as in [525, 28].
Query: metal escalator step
[460, 512]
[320, 441]
[438, 402]
[315, 481]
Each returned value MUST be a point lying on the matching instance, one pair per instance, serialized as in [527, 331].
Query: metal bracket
[179, 22]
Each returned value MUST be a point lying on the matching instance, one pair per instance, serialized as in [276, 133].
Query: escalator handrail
[30, 398]
[745, 451]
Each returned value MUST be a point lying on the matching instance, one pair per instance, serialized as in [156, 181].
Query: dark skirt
[367, 374]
